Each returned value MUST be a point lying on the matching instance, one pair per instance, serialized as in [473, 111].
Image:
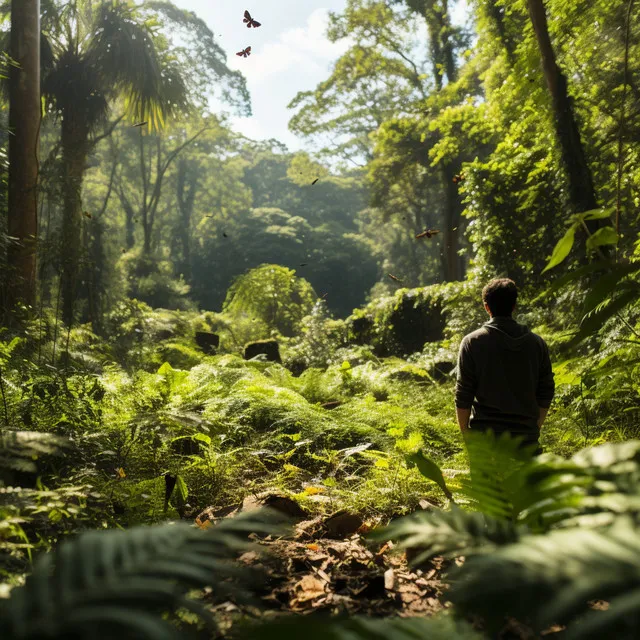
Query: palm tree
[93, 56]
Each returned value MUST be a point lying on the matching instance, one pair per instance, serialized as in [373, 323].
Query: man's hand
[463, 416]
[542, 415]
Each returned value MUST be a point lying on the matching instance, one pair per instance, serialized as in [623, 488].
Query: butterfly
[316, 180]
[429, 233]
[245, 53]
[249, 21]
[394, 278]
[459, 177]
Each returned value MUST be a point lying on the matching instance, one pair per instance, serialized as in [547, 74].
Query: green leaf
[182, 489]
[430, 470]
[165, 369]
[562, 249]
[580, 272]
[606, 235]
[595, 214]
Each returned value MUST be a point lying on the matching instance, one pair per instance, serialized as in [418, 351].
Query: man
[504, 371]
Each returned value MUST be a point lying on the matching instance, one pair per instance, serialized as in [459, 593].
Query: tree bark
[452, 264]
[185, 194]
[24, 123]
[75, 147]
[582, 193]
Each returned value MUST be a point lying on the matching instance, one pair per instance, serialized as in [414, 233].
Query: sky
[290, 53]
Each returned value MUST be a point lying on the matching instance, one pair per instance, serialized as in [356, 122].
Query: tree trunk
[581, 189]
[185, 195]
[453, 266]
[24, 124]
[74, 142]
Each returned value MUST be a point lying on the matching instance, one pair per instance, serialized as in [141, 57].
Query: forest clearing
[234, 370]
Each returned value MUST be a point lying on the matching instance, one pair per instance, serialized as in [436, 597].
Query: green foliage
[317, 628]
[274, 299]
[20, 449]
[123, 581]
[561, 573]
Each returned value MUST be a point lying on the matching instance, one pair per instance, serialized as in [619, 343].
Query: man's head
[499, 297]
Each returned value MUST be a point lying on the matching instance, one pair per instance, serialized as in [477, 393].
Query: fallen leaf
[389, 579]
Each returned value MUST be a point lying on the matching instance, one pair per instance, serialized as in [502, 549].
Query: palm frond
[560, 572]
[109, 582]
[132, 58]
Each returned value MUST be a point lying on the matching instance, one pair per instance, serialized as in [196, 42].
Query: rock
[268, 348]
[212, 514]
[361, 330]
[282, 504]
[342, 525]
[287, 506]
[441, 371]
[208, 342]
[425, 505]
[389, 579]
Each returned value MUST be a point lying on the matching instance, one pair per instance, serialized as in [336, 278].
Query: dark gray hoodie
[504, 374]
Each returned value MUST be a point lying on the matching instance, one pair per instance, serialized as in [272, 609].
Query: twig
[635, 333]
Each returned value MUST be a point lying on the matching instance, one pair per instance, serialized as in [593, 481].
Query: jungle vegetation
[194, 324]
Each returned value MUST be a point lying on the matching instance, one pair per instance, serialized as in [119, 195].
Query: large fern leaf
[20, 449]
[552, 578]
[121, 583]
[451, 533]
[443, 627]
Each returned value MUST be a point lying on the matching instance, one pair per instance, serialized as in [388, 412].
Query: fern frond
[19, 449]
[110, 582]
[443, 627]
[451, 533]
[560, 572]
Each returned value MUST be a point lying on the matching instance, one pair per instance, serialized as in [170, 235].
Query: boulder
[208, 342]
[267, 348]
[441, 371]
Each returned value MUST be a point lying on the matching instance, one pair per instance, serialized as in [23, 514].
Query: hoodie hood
[513, 335]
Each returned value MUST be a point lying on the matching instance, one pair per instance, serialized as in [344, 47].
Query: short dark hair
[500, 296]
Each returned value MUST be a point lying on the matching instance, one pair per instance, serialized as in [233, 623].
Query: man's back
[504, 373]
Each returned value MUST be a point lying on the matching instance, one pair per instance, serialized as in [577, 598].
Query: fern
[451, 533]
[551, 579]
[317, 628]
[109, 582]
[20, 449]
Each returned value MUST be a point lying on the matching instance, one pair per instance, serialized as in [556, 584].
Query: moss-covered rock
[268, 348]
[208, 342]
[400, 325]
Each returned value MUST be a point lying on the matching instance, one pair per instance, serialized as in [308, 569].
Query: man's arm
[542, 415]
[465, 386]
[463, 416]
[546, 386]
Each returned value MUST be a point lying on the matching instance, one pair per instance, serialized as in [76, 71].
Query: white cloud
[301, 51]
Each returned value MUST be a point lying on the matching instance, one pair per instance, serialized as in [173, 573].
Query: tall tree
[119, 50]
[442, 52]
[24, 123]
[581, 188]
